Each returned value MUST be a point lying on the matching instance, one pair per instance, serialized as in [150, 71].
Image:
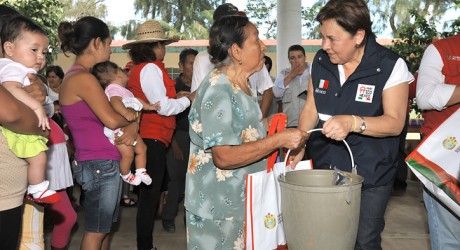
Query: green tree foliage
[47, 13]
[76, 9]
[261, 13]
[189, 19]
[128, 31]
[309, 19]
[396, 13]
[414, 37]
[385, 14]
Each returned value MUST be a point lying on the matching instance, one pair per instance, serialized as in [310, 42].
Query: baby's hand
[42, 118]
[156, 106]
[130, 114]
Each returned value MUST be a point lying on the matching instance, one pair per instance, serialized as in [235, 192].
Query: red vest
[153, 125]
[449, 49]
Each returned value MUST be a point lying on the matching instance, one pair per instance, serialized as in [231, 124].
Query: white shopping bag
[436, 162]
[264, 218]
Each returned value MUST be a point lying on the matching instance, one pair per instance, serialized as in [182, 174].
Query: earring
[357, 45]
[240, 62]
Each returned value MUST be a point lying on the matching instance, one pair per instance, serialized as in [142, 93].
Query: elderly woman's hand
[338, 127]
[293, 138]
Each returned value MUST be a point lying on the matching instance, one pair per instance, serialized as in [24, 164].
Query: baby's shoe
[131, 179]
[40, 193]
[142, 173]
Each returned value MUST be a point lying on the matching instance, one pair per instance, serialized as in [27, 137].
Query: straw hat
[150, 31]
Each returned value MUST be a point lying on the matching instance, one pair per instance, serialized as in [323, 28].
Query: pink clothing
[64, 217]
[128, 100]
[87, 132]
[117, 90]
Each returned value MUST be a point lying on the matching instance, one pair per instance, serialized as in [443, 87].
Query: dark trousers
[176, 171]
[10, 226]
[374, 202]
[149, 196]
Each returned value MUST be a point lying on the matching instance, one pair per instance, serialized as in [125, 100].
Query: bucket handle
[353, 166]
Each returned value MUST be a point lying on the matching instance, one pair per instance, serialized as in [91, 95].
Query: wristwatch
[362, 127]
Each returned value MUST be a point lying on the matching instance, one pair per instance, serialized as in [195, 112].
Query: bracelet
[354, 123]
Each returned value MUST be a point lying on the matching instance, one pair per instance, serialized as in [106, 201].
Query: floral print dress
[221, 114]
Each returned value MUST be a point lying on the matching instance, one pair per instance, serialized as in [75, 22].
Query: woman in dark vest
[359, 94]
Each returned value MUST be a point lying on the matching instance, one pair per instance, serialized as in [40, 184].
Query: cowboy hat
[150, 31]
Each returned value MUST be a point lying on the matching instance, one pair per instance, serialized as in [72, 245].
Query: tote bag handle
[277, 124]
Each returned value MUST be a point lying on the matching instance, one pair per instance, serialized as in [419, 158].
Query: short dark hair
[224, 33]
[13, 28]
[268, 61]
[6, 13]
[351, 15]
[105, 72]
[186, 52]
[56, 69]
[142, 52]
[296, 47]
[76, 38]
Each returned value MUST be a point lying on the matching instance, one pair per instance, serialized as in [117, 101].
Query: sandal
[50, 199]
[127, 202]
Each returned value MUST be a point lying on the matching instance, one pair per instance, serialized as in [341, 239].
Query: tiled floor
[406, 226]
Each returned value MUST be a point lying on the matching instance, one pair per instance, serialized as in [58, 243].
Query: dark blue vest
[360, 95]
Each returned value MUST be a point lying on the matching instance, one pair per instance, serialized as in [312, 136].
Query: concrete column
[289, 30]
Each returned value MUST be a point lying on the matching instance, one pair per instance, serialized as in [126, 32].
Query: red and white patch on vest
[365, 93]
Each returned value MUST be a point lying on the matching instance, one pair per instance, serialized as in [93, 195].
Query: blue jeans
[374, 202]
[444, 225]
[101, 183]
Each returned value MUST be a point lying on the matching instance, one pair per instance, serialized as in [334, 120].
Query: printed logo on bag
[270, 221]
[322, 86]
[365, 93]
[449, 143]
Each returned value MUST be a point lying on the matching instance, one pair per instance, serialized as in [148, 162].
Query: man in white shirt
[259, 81]
[292, 83]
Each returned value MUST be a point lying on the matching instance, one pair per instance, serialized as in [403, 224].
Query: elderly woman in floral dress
[228, 138]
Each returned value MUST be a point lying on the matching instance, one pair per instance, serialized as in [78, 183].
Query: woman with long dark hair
[87, 110]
